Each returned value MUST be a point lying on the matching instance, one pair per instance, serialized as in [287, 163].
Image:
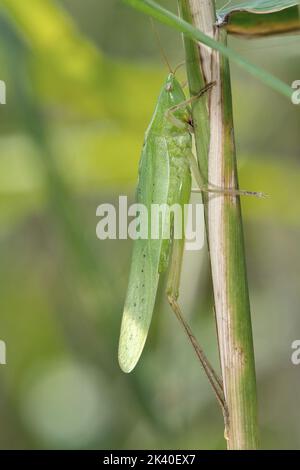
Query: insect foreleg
[178, 122]
[188, 101]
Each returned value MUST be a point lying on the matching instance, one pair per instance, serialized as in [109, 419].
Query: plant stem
[225, 231]
[198, 77]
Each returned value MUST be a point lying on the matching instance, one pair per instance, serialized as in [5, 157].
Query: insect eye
[169, 87]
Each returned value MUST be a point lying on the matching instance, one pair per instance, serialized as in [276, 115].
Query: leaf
[250, 25]
[151, 8]
[275, 17]
[256, 6]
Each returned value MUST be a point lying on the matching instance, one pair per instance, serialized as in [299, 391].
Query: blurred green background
[82, 80]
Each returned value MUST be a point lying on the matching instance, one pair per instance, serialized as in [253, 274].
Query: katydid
[164, 178]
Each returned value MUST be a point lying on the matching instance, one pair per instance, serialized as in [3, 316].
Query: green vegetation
[79, 100]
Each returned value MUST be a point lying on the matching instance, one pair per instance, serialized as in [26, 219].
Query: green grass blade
[155, 10]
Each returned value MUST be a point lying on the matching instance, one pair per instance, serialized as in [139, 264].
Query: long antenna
[160, 46]
[178, 66]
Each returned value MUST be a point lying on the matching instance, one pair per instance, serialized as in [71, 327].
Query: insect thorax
[179, 145]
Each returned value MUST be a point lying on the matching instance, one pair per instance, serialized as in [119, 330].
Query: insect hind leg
[172, 295]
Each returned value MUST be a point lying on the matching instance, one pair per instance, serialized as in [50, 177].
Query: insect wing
[152, 189]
